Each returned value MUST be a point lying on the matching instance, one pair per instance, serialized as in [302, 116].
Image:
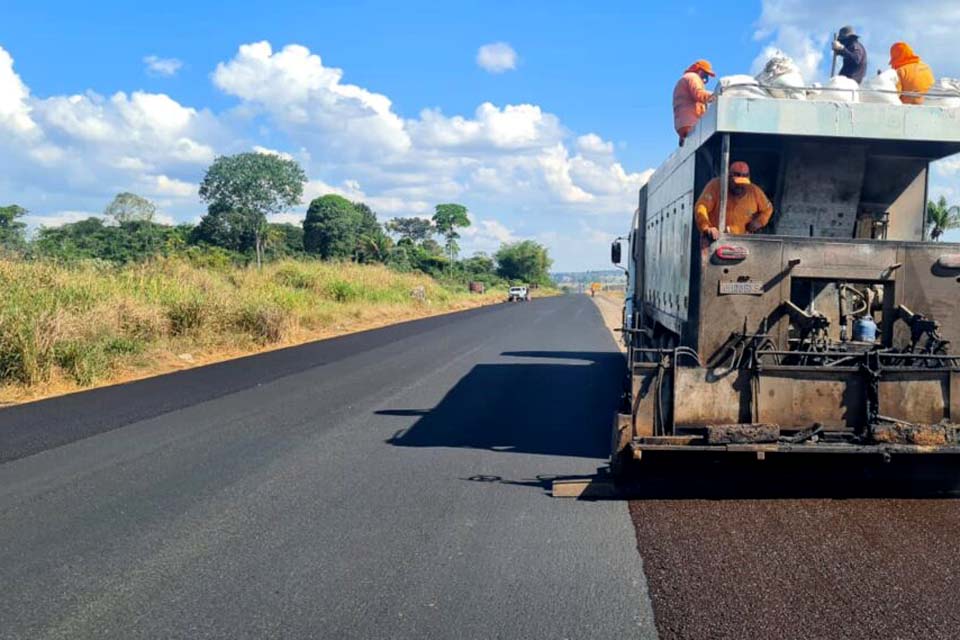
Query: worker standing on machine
[690, 97]
[748, 208]
[848, 47]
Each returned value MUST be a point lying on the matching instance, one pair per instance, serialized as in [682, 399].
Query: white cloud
[59, 218]
[14, 95]
[308, 101]
[512, 127]
[272, 152]
[158, 66]
[497, 57]
[72, 153]
[593, 144]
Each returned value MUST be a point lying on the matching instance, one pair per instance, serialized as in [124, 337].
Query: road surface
[390, 484]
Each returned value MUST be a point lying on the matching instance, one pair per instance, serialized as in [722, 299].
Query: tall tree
[12, 231]
[225, 227]
[129, 207]
[448, 218]
[372, 243]
[526, 261]
[414, 230]
[942, 218]
[331, 228]
[253, 186]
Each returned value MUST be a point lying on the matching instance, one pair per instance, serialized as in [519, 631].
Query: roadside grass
[65, 327]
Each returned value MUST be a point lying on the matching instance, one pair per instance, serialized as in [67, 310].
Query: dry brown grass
[63, 328]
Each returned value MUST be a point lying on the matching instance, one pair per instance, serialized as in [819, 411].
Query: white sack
[949, 98]
[782, 78]
[742, 87]
[838, 89]
[886, 82]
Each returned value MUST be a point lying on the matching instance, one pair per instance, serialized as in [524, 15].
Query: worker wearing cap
[913, 74]
[690, 97]
[748, 208]
[847, 46]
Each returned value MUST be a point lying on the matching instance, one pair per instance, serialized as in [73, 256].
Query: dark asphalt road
[391, 484]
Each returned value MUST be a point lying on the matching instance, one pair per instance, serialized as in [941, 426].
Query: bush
[266, 325]
[186, 316]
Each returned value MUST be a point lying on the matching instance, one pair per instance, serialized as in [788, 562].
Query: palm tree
[942, 218]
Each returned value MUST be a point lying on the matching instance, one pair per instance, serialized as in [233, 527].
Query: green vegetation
[123, 294]
[90, 321]
[942, 218]
[525, 261]
[248, 187]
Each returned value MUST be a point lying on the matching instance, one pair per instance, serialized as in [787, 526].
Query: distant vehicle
[518, 294]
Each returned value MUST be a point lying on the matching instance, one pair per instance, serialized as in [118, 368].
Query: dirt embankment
[610, 304]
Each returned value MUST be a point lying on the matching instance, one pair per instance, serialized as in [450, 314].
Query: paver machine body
[828, 331]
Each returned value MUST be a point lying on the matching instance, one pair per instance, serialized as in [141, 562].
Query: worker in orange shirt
[913, 74]
[748, 208]
[690, 97]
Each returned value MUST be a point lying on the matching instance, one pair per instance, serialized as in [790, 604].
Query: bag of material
[782, 78]
[880, 89]
[837, 89]
[742, 87]
[948, 94]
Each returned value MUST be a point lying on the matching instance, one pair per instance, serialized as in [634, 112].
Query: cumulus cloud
[497, 57]
[65, 155]
[158, 66]
[308, 100]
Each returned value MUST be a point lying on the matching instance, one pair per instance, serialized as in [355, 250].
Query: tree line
[241, 192]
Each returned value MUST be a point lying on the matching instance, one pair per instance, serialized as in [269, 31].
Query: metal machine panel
[803, 398]
[668, 228]
[834, 119]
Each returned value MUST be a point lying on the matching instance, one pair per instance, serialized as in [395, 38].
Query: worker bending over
[690, 97]
[748, 208]
[848, 47]
[913, 74]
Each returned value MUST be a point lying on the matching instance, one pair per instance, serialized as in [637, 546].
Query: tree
[942, 218]
[414, 230]
[129, 207]
[225, 227]
[372, 243]
[331, 228]
[525, 261]
[91, 238]
[12, 231]
[447, 219]
[253, 186]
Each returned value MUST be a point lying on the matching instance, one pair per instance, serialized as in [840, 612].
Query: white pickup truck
[518, 294]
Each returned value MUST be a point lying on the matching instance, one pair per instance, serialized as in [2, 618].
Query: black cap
[847, 32]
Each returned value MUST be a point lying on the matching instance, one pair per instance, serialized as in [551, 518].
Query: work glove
[713, 233]
[838, 46]
[753, 226]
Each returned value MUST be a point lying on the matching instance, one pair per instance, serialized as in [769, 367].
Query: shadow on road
[561, 408]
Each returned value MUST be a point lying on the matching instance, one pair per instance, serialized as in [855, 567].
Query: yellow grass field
[64, 328]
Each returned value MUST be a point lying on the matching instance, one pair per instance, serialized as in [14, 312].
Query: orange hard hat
[702, 65]
[740, 171]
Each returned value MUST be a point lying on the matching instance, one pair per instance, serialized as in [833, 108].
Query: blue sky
[557, 154]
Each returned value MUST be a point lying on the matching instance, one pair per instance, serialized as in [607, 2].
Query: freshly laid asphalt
[389, 484]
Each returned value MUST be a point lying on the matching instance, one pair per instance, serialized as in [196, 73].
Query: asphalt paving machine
[829, 331]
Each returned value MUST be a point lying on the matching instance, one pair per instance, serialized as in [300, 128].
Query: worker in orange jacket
[748, 208]
[690, 97]
[913, 74]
